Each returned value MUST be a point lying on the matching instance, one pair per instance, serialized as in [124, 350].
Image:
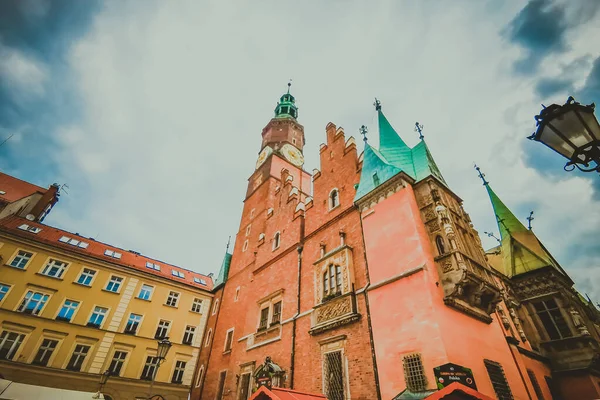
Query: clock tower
[284, 137]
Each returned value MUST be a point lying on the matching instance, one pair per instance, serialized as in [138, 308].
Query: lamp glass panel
[571, 127]
[163, 348]
[555, 142]
[592, 122]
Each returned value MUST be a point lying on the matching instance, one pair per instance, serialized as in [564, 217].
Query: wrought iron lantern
[163, 348]
[571, 130]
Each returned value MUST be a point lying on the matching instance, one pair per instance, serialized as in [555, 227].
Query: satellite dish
[30, 217]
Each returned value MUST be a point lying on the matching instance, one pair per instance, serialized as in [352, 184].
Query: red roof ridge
[6, 222]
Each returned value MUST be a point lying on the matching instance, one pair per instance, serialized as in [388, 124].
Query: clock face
[266, 152]
[292, 154]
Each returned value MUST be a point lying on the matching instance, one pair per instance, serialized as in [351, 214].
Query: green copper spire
[375, 171]
[286, 107]
[521, 250]
[391, 144]
[223, 272]
[424, 164]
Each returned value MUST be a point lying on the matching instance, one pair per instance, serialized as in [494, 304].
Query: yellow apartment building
[72, 308]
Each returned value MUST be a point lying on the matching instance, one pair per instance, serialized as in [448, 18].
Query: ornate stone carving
[334, 313]
[337, 308]
[447, 267]
[429, 213]
[433, 226]
[578, 321]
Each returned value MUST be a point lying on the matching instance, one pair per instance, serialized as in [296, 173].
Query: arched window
[439, 242]
[215, 307]
[199, 376]
[276, 240]
[208, 337]
[334, 199]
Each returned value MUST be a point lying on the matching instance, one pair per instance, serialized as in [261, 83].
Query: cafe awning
[10, 390]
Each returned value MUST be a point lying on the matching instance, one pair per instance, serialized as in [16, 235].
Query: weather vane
[419, 128]
[363, 131]
[481, 174]
[377, 104]
[490, 234]
[529, 219]
[289, 85]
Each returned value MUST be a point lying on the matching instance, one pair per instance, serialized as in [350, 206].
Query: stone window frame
[245, 245]
[539, 324]
[126, 348]
[225, 349]
[197, 305]
[149, 353]
[215, 307]
[276, 241]
[16, 253]
[93, 310]
[80, 340]
[34, 289]
[110, 280]
[147, 285]
[62, 305]
[51, 335]
[53, 261]
[236, 297]
[331, 199]
[166, 335]
[187, 332]
[208, 337]
[246, 369]
[10, 287]
[176, 296]
[199, 376]
[177, 360]
[94, 276]
[268, 302]
[18, 329]
[139, 324]
[331, 345]
[415, 376]
[340, 256]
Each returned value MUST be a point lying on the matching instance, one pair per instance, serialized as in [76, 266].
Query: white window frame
[276, 240]
[208, 337]
[28, 228]
[34, 292]
[199, 376]
[268, 303]
[177, 297]
[198, 303]
[158, 325]
[54, 350]
[74, 242]
[145, 285]
[139, 324]
[200, 281]
[245, 245]
[175, 369]
[16, 254]
[152, 265]
[225, 349]
[330, 199]
[185, 333]
[94, 275]
[237, 294]
[112, 253]
[93, 311]
[178, 273]
[71, 308]
[123, 364]
[248, 229]
[51, 263]
[215, 307]
[21, 338]
[6, 293]
[85, 359]
[120, 283]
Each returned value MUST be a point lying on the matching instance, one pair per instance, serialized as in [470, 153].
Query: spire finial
[377, 104]
[490, 234]
[481, 175]
[289, 85]
[228, 243]
[529, 219]
[419, 128]
[363, 131]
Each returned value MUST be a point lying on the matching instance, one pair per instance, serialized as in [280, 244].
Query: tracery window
[441, 247]
[332, 281]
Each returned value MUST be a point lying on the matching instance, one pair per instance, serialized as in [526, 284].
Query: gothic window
[334, 199]
[333, 376]
[276, 240]
[414, 373]
[199, 376]
[332, 281]
[498, 380]
[208, 337]
[375, 179]
[552, 319]
[439, 242]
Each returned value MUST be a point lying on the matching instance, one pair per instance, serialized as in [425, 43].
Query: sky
[150, 112]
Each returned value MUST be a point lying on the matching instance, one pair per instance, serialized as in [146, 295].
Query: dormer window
[73, 242]
[276, 240]
[334, 199]
[28, 228]
[177, 273]
[112, 253]
[375, 179]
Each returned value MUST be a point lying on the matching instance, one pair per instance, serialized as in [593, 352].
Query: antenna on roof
[529, 219]
[6, 140]
[62, 188]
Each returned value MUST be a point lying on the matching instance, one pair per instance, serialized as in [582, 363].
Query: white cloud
[22, 73]
[175, 96]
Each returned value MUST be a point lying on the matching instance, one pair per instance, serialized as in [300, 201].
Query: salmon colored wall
[277, 164]
[540, 370]
[579, 387]
[409, 315]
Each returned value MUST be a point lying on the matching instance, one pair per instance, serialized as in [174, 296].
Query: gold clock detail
[292, 154]
[262, 156]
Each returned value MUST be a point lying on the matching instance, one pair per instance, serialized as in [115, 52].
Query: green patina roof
[521, 250]
[286, 107]
[375, 171]
[394, 156]
[224, 271]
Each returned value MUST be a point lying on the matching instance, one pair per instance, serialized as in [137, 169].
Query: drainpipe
[300, 248]
[371, 342]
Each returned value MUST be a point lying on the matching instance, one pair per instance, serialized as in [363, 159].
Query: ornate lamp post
[161, 354]
[103, 379]
[571, 130]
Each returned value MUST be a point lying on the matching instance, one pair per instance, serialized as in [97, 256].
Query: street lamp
[161, 354]
[571, 130]
[103, 379]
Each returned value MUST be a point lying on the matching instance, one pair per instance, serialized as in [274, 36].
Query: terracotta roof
[92, 248]
[16, 189]
[284, 394]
